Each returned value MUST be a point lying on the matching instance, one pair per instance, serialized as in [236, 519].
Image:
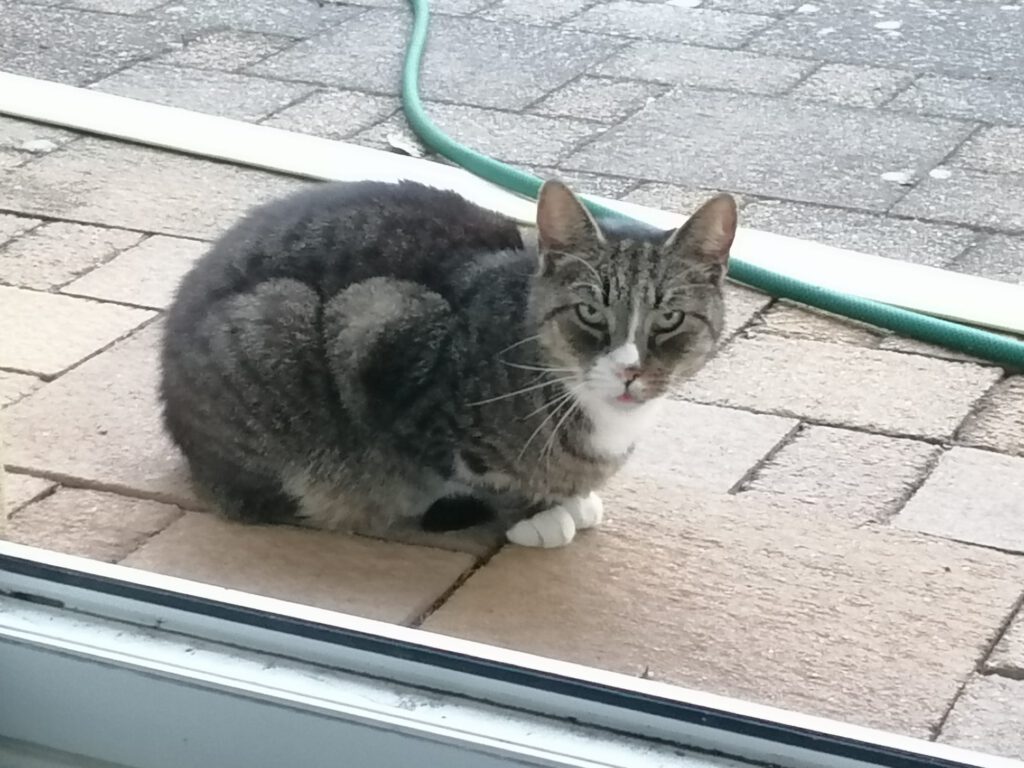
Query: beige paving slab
[843, 385]
[376, 579]
[735, 598]
[100, 424]
[50, 333]
[121, 185]
[12, 226]
[973, 496]
[26, 136]
[702, 446]
[146, 275]
[58, 252]
[1008, 656]
[19, 490]
[741, 306]
[100, 526]
[855, 476]
[795, 322]
[14, 386]
[896, 343]
[999, 423]
[988, 717]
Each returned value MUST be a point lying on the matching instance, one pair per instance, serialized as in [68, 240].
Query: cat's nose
[629, 374]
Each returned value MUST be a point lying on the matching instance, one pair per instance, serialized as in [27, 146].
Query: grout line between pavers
[43, 494]
[910, 490]
[75, 482]
[885, 103]
[46, 218]
[455, 586]
[751, 474]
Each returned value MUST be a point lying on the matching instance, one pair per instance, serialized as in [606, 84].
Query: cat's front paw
[587, 511]
[551, 528]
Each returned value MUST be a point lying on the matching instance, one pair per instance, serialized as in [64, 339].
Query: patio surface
[830, 519]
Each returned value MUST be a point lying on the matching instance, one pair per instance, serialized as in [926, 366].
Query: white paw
[551, 528]
[587, 511]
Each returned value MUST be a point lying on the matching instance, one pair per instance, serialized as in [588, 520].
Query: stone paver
[853, 476]
[375, 579]
[281, 17]
[998, 424]
[35, 138]
[996, 101]
[227, 49]
[146, 275]
[997, 149]
[996, 257]
[843, 385]
[12, 226]
[599, 98]
[795, 322]
[742, 305]
[58, 252]
[746, 143]
[19, 490]
[98, 181]
[1008, 656]
[100, 526]
[702, 446]
[896, 343]
[670, 197]
[588, 183]
[736, 598]
[14, 386]
[677, 64]
[852, 85]
[671, 22]
[226, 94]
[920, 242]
[969, 197]
[973, 496]
[472, 61]
[533, 11]
[947, 36]
[99, 425]
[55, 332]
[987, 717]
[335, 114]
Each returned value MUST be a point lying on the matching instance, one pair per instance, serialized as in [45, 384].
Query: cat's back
[330, 236]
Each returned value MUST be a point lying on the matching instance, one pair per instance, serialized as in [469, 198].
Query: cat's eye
[590, 315]
[667, 321]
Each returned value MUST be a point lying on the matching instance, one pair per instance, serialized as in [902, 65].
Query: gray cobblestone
[227, 49]
[997, 101]
[998, 257]
[852, 85]
[671, 22]
[969, 197]
[335, 114]
[598, 98]
[998, 149]
[281, 17]
[534, 11]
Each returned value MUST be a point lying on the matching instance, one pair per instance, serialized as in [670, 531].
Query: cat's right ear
[564, 225]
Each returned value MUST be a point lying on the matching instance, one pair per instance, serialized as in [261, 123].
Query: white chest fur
[615, 429]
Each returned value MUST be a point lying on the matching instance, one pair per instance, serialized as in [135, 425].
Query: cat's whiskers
[547, 404]
[523, 391]
[549, 446]
[527, 340]
[566, 398]
[544, 369]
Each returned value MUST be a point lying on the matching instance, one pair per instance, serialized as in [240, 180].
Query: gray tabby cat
[359, 356]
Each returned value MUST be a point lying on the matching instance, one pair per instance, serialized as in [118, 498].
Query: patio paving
[829, 519]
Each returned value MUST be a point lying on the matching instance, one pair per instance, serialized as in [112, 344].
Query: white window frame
[148, 671]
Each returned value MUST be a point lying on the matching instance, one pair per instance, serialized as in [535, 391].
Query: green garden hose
[962, 338]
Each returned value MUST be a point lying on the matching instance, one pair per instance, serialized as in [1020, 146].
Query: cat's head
[627, 310]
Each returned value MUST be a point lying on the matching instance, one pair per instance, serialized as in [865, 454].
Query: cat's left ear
[564, 225]
[707, 236]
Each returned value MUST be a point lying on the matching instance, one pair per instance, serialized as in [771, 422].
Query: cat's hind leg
[557, 525]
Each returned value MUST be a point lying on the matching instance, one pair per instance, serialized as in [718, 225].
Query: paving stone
[918, 242]
[897, 343]
[969, 197]
[123, 185]
[997, 149]
[534, 11]
[116, 6]
[987, 717]
[998, 101]
[671, 22]
[852, 85]
[56, 253]
[1008, 656]
[242, 97]
[751, 6]
[227, 49]
[12, 226]
[598, 98]
[973, 496]
[54, 332]
[335, 114]
[677, 64]
[100, 526]
[590, 183]
[746, 143]
[742, 304]
[472, 61]
[26, 136]
[702, 446]
[944, 36]
[72, 46]
[14, 386]
[296, 18]
[147, 275]
[395, 129]
[19, 490]
[12, 159]
[670, 197]
[997, 257]
[999, 423]
[843, 385]
[100, 425]
[735, 598]
[793, 321]
[376, 579]
[853, 476]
